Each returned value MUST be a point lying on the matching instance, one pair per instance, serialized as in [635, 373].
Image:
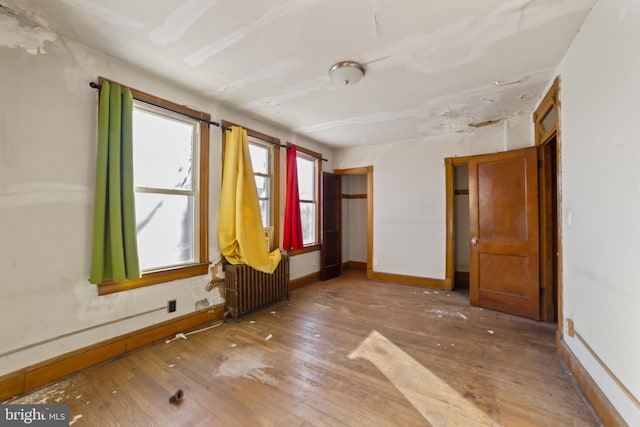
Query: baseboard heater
[247, 289]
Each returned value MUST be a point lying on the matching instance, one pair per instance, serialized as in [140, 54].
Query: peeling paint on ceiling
[431, 67]
[19, 32]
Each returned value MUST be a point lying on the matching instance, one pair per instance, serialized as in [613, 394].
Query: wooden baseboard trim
[358, 265]
[462, 276]
[425, 282]
[449, 284]
[601, 405]
[305, 280]
[40, 374]
[354, 265]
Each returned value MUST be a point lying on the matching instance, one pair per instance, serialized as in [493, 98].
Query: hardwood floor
[343, 352]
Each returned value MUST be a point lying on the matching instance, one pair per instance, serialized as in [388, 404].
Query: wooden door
[503, 203]
[330, 243]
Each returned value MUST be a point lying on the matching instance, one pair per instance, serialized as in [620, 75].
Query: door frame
[543, 136]
[368, 171]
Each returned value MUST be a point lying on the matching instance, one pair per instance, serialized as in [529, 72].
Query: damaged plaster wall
[409, 192]
[48, 122]
[599, 95]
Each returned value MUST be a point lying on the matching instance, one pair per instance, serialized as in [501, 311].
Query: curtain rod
[98, 87]
[283, 146]
[268, 141]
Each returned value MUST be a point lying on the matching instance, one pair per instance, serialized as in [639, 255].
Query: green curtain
[115, 249]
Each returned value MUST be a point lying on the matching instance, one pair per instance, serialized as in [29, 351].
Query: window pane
[306, 178]
[264, 213]
[549, 119]
[308, 219]
[165, 230]
[259, 158]
[262, 184]
[162, 151]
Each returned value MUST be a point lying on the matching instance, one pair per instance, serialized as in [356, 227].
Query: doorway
[546, 120]
[358, 186]
[462, 253]
[354, 222]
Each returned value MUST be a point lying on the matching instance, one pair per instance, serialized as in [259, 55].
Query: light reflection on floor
[438, 402]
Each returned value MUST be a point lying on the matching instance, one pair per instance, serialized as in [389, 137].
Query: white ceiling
[432, 67]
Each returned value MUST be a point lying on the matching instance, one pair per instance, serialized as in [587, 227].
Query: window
[170, 154]
[265, 160]
[261, 161]
[308, 177]
[166, 188]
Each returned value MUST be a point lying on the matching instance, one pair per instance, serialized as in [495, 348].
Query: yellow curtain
[240, 229]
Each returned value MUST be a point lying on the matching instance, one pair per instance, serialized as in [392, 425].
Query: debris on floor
[54, 393]
[177, 397]
[76, 418]
[268, 337]
[184, 335]
[178, 335]
[490, 331]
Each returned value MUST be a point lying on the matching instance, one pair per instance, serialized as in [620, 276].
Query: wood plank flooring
[316, 361]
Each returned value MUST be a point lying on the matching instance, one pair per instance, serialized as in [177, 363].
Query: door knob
[474, 241]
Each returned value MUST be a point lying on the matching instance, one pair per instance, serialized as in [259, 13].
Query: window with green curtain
[169, 174]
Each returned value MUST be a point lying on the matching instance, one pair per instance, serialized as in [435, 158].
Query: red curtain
[292, 225]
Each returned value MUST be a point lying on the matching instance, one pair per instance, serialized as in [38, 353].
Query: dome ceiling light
[346, 73]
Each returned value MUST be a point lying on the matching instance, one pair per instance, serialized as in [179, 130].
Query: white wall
[409, 192]
[600, 97]
[48, 118]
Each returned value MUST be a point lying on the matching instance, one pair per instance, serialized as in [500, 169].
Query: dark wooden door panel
[503, 198]
[331, 245]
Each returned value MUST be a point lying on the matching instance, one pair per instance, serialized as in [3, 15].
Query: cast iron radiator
[247, 288]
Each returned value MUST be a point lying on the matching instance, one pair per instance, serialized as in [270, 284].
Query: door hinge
[539, 164]
[542, 291]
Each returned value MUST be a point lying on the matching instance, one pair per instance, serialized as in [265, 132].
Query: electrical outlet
[171, 306]
[570, 328]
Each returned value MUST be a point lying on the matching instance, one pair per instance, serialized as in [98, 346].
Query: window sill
[306, 249]
[154, 278]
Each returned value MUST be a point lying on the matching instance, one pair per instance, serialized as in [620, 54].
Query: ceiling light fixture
[346, 73]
